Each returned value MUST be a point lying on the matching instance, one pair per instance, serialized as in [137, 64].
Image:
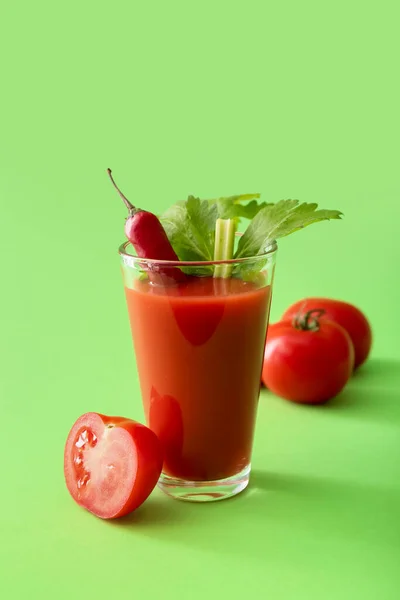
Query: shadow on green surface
[373, 393]
[268, 518]
[282, 515]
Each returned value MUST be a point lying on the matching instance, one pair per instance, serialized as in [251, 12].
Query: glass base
[204, 491]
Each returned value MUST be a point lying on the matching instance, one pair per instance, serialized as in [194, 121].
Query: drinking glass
[199, 346]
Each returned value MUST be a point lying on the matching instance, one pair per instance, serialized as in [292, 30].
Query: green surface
[294, 99]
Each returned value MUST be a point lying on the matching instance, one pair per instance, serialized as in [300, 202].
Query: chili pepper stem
[132, 209]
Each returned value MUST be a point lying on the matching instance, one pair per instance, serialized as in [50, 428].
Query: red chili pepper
[146, 234]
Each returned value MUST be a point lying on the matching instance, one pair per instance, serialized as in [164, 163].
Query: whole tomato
[307, 359]
[346, 315]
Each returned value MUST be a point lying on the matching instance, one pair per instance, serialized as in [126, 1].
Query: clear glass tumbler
[199, 347]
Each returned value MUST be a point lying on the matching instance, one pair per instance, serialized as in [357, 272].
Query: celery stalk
[224, 243]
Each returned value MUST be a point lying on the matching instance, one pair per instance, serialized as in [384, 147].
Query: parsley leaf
[278, 220]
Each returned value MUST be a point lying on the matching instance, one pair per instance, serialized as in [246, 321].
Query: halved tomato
[111, 464]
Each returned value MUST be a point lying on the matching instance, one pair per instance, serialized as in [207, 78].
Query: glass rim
[269, 251]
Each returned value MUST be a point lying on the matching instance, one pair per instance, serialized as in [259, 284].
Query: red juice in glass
[199, 349]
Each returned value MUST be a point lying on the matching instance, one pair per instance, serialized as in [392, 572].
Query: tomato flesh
[111, 464]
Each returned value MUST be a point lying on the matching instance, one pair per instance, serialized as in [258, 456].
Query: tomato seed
[86, 436]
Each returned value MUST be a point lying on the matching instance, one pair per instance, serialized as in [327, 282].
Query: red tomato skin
[148, 457]
[308, 367]
[149, 460]
[347, 315]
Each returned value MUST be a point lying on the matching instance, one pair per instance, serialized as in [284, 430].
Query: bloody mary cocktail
[198, 306]
[199, 349]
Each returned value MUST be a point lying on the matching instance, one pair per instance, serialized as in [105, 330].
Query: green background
[291, 99]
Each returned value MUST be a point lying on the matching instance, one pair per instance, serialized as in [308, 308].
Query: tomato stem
[308, 321]
[132, 209]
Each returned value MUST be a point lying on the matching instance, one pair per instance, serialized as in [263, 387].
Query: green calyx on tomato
[308, 321]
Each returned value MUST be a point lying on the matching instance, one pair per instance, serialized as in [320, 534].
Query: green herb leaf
[232, 207]
[239, 211]
[190, 227]
[278, 220]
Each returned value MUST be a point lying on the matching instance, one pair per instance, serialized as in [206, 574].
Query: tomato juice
[199, 349]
